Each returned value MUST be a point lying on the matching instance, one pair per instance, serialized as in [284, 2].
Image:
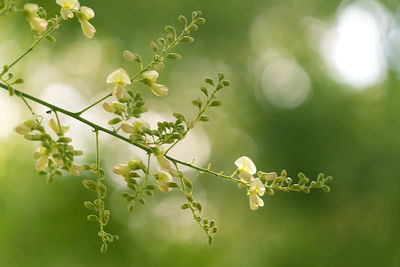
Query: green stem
[94, 104]
[58, 122]
[35, 43]
[176, 161]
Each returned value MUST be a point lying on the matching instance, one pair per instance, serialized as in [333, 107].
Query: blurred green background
[315, 88]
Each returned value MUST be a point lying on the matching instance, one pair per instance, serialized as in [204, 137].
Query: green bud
[90, 205]
[92, 218]
[210, 240]
[50, 38]
[204, 90]
[326, 188]
[153, 46]
[216, 103]
[89, 185]
[183, 19]
[185, 206]
[174, 56]
[170, 29]
[103, 247]
[201, 20]
[18, 81]
[187, 39]
[114, 121]
[209, 81]
[128, 55]
[204, 118]
[172, 184]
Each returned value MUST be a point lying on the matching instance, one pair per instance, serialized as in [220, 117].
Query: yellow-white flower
[162, 160]
[122, 169]
[138, 125]
[256, 190]
[37, 24]
[159, 89]
[108, 106]
[163, 178]
[141, 125]
[150, 78]
[25, 127]
[246, 169]
[87, 28]
[68, 7]
[75, 169]
[42, 158]
[120, 78]
[56, 128]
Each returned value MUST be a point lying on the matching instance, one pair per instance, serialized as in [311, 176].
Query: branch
[96, 127]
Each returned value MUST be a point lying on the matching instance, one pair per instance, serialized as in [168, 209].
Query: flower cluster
[51, 156]
[69, 8]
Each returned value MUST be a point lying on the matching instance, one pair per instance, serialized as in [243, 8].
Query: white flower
[42, 158]
[37, 24]
[56, 128]
[150, 78]
[162, 179]
[68, 7]
[108, 106]
[122, 169]
[138, 125]
[86, 14]
[120, 78]
[162, 160]
[159, 89]
[256, 190]
[246, 169]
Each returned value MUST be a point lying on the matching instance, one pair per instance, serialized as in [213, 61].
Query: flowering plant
[55, 154]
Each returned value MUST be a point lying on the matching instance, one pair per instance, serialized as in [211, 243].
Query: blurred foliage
[353, 136]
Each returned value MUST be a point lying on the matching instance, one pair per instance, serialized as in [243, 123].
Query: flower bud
[150, 76]
[128, 127]
[136, 164]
